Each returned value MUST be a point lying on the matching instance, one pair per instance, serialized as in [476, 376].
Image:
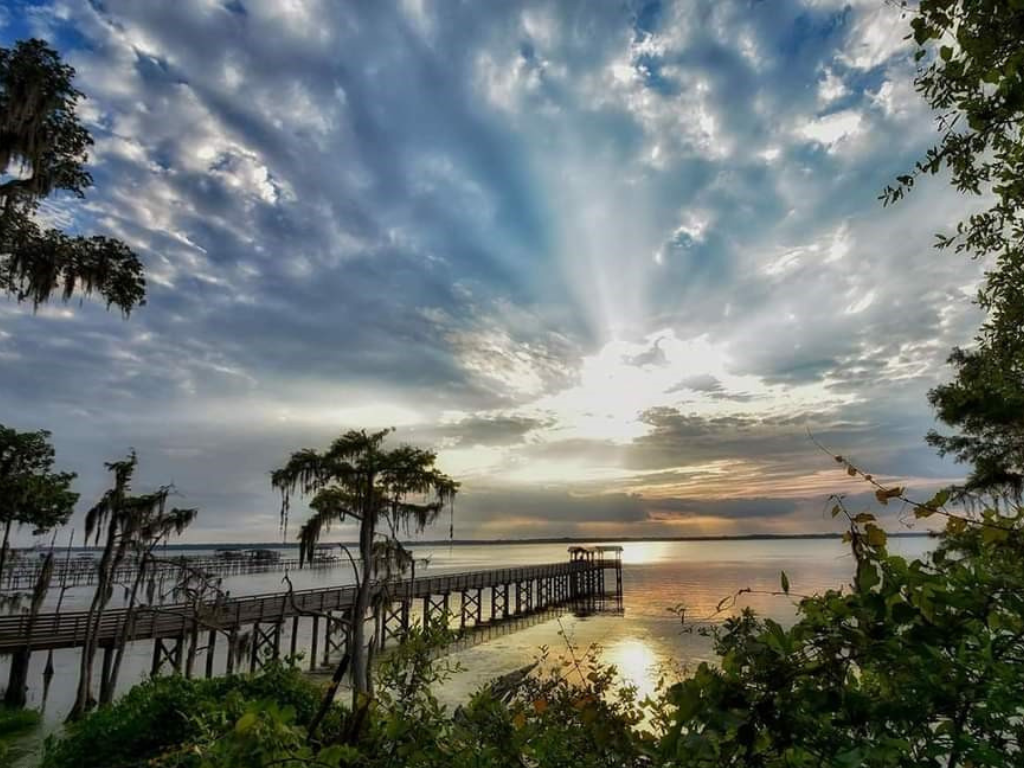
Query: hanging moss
[44, 148]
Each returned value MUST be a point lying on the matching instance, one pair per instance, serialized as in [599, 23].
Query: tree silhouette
[31, 493]
[971, 72]
[357, 478]
[43, 149]
[124, 523]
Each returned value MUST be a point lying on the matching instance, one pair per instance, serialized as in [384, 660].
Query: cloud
[834, 128]
[623, 255]
[701, 382]
[486, 430]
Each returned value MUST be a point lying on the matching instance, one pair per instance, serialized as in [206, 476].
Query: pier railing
[82, 573]
[316, 622]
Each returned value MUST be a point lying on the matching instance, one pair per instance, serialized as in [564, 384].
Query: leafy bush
[15, 724]
[160, 721]
[576, 715]
[920, 664]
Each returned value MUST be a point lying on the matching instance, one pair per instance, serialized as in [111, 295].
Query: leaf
[785, 582]
[246, 722]
[994, 534]
[519, 721]
[876, 536]
[864, 517]
[884, 494]
[867, 575]
[540, 706]
[956, 525]
[851, 471]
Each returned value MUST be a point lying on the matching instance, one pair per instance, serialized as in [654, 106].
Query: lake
[643, 642]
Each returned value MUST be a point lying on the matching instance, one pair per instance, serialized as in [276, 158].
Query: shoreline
[513, 542]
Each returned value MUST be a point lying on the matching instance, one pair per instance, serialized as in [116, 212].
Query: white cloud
[831, 130]
[878, 34]
[831, 87]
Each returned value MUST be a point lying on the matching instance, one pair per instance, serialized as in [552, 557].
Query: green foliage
[919, 664]
[125, 523]
[31, 493]
[14, 725]
[358, 478]
[971, 55]
[174, 722]
[44, 147]
[575, 714]
[387, 490]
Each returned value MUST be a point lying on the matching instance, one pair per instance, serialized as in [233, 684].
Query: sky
[614, 261]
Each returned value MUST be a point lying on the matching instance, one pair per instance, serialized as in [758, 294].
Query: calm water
[643, 643]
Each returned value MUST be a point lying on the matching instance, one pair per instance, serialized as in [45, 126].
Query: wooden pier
[243, 633]
[84, 573]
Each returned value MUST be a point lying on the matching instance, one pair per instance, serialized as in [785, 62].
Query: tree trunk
[17, 684]
[360, 672]
[328, 697]
[84, 700]
[108, 686]
[3, 549]
[17, 680]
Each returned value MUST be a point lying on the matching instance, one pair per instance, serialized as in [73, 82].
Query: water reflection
[637, 663]
[642, 643]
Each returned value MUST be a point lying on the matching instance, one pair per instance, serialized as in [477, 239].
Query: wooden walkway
[317, 622]
[67, 629]
[82, 573]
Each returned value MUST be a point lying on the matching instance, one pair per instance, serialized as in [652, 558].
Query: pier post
[108, 659]
[17, 680]
[315, 643]
[211, 644]
[158, 644]
[327, 637]
[232, 649]
[294, 640]
[193, 649]
[179, 645]
[254, 646]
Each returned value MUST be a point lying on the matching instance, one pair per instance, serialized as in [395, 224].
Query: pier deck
[254, 629]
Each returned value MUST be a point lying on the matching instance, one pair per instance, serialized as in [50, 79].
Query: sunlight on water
[637, 662]
[642, 552]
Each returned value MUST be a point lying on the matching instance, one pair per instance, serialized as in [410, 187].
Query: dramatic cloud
[614, 262]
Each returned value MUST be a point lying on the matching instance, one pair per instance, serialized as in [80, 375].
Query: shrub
[920, 664]
[15, 724]
[160, 721]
